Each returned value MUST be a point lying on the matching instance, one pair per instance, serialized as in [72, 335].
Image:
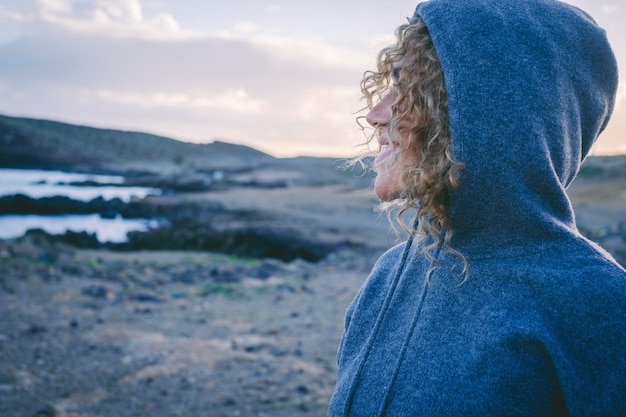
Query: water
[106, 230]
[38, 184]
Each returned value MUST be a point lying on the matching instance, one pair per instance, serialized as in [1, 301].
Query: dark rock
[286, 288]
[301, 389]
[182, 274]
[46, 411]
[246, 241]
[21, 204]
[185, 225]
[37, 329]
[179, 295]
[224, 276]
[95, 291]
[267, 269]
[48, 257]
[278, 352]
[255, 348]
[80, 239]
[145, 298]
[229, 402]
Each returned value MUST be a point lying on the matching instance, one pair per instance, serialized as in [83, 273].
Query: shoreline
[98, 332]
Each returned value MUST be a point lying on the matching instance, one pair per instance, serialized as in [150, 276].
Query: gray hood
[531, 84]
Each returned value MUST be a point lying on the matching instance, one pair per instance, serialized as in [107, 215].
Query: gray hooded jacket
[539, 328]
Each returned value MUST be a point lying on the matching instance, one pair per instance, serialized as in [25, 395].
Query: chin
[387, 196]
[387, 185]
[386, 191]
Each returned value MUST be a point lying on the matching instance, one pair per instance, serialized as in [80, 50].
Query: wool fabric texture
[539, 326]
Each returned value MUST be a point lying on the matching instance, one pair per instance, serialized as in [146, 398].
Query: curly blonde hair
[419, 113]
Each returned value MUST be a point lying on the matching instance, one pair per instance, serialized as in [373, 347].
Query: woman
[496, 305]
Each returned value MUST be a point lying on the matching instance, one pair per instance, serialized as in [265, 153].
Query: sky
[281, 76]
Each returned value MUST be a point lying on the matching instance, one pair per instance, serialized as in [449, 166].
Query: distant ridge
[47, 144]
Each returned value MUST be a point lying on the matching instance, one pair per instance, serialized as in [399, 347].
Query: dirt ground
[102, 334]
[89, 333]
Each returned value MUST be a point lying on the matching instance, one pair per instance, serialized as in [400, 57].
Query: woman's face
[389, 164]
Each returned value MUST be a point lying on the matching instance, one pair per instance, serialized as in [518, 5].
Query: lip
[383, 139]
[386, 149]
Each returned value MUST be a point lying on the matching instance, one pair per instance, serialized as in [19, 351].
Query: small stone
[229, 402]
[36, 329]
[95, 291]
[46, 411]
[145, 298]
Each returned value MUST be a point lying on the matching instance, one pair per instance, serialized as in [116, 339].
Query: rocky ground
[95, 332]
[98, 332]
[87, 333]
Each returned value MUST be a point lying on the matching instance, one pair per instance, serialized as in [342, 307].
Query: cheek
[390, 169]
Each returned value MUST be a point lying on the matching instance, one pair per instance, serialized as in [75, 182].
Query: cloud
[238, 101]
[14, 15]
[328, 105]
[117, 64]
[125, 19]
[245, 27]
[315, 53]
[126, 12]
[54, 7]
[111, 18]
[274, 8]
[610, 8]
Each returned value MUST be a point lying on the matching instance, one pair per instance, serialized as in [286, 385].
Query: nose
[380, 114]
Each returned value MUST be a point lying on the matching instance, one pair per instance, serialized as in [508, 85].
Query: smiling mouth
[386, 149]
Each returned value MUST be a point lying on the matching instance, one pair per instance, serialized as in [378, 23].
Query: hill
[36, 143]
[46, 144]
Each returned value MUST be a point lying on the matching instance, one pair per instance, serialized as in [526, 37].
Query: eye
[395, 76]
